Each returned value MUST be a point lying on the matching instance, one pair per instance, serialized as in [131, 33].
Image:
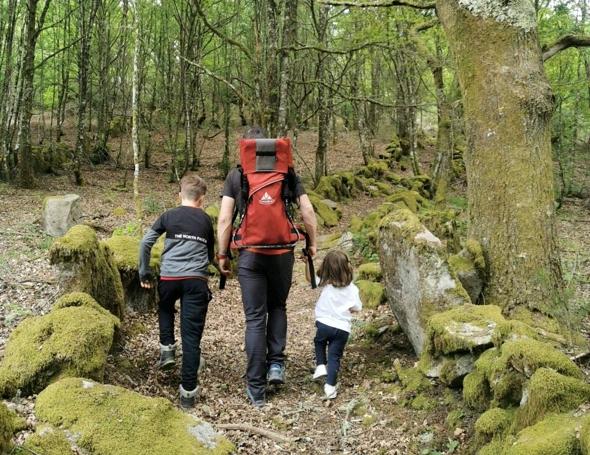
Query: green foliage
[152, 206]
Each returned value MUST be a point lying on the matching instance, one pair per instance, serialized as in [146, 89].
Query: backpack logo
[266, 199]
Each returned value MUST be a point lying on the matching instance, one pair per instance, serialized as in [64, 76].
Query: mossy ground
[111, 421]
[372, 294]
[68, 341]
[6, 428]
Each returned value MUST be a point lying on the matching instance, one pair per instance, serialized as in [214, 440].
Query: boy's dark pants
[194, 298]
[335, 339]
[265, 281]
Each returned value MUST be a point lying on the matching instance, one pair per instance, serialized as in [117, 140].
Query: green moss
[476, 391]
[496, 447]
[6, 428]
[330, 217]
[459, 263]
[495, 422]
[512, 330]
[369, 271]
[125, 249]
[463, 328]
[526, 356]
[555, 435]
[68, 341]
[412, 199]
[111, 420]
[330, 241]
[474, 248]
[454, 419]
[585, 436]
[368, 420]
[372, 294]
[411, 379]
[423, 403]
[48, 441]
[119, 212]
[90, 267]
[549, 391]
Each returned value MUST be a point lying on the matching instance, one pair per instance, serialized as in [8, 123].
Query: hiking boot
[257, 402]
[187, 398]
[276, 374]
[330, 391]
[320, 372]
[167, 357]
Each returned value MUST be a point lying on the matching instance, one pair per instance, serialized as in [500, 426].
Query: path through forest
[370, 414]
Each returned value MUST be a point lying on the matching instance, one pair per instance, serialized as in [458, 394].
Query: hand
[146, 284]
[225, 266]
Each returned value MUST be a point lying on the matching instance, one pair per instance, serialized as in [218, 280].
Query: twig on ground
[277, 437]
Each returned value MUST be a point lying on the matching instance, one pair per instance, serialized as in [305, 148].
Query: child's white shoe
[320, 371]
[330, 391]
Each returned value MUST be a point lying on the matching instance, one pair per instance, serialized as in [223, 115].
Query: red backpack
[268, 189]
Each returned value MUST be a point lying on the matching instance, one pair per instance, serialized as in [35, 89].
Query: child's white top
[334, 306]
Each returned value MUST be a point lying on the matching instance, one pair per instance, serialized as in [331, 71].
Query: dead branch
[563, 43]
[255, 430]
[408, 3]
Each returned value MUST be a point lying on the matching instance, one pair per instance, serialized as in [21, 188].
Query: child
[188, 249]
[333, 313]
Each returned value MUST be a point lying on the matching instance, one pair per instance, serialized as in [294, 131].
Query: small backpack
[267, 190]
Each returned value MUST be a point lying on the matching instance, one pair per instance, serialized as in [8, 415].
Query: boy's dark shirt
[188, 247]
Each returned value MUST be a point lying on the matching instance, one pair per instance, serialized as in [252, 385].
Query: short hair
[335, 269]
[192, 187]
[255, 132]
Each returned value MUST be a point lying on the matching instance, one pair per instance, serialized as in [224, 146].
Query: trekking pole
[307, 254]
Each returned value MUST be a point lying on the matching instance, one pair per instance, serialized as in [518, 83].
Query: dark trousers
[265, 281]
[335, 340]
[194, 298]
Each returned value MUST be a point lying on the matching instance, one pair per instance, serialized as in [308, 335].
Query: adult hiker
[259, 195]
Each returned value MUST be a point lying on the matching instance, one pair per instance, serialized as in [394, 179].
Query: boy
[188, 249]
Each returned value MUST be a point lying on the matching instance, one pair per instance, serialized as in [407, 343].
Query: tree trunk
[322, 101]
[289, 37]
[135, 112]
[508, 106]
[4, 91]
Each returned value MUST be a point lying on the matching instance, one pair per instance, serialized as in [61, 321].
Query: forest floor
[369, 416]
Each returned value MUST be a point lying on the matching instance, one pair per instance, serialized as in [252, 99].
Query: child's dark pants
[194, 298]
[335, 340]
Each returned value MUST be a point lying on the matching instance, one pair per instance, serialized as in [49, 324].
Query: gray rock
[60, 213]
[417, 279]
[346, 241]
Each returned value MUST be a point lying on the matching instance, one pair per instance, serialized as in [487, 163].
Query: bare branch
[563, 43]
[53, 54]
[332, 51]
[408, 3]
[219, 33]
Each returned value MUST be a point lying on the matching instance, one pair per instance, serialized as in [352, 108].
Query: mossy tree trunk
[508, 105]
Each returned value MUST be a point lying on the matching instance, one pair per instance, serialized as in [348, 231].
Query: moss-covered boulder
[416, 275]
[326, 215]
[550, 392]
[87, 265]
[419, 183]
[111, 420]
[469, 267]
[494, 423]
[369, 271]
[555, 435]
[412, 199]
[71, 340]
[48, 441]
[51, 158]
[125, 251]
[372, 294]
[6, 428]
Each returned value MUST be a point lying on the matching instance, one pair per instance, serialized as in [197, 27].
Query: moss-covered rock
[419, 183]
[369, 271]
[555, 435]
[48, 441]
[465, 328]
[125, 251]
[495, 422]
[51, 158]
[469, 267]
[412, 379]
[585, 436]
[111, 420]
[372, 294]
[476, 391]
[72, 340]
[412, 199]
[87, 265]
[415, 273]
[327, 216]
[548, 392]
[6, 428]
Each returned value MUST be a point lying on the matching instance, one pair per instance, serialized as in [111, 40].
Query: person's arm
[310, 222]
[145, 252]
[224, 233]
[356, 304]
